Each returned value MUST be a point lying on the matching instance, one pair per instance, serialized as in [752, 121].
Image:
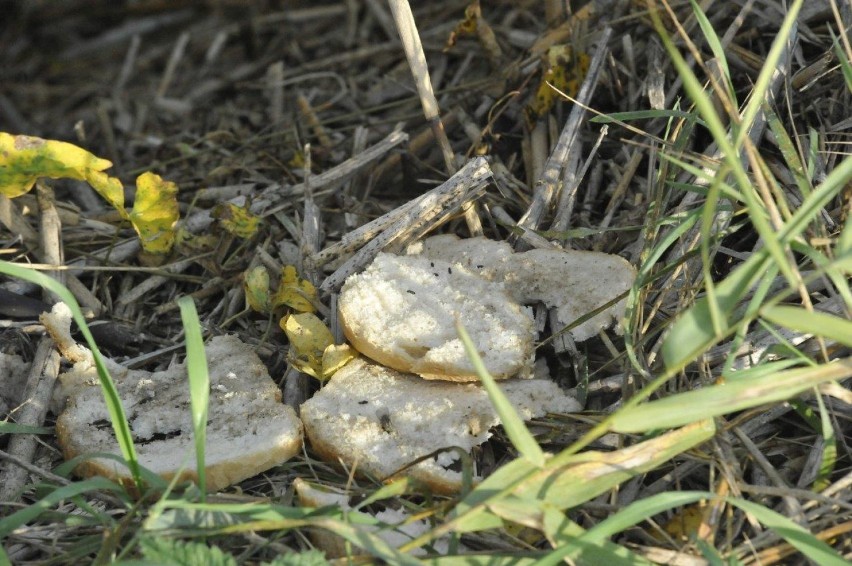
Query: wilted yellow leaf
[23, 159]
[312, 346]
[684, 525]
[294, 292]
[334, 357]
[236, 219]
[189, 243]
[256, 285]
[467, 26]
[155, 212]
[565, 70]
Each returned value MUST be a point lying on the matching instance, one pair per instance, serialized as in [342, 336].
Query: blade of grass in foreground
[199, 385]
[798, 537]
[733, 395]
[809, 322]
[517, 432]
[27, 514]
[755, 208]
[185, 518]
[113, 402]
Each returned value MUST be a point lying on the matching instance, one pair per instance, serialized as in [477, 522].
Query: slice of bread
[572, 282]
[401, 311]
[249, 430]
[378, 420]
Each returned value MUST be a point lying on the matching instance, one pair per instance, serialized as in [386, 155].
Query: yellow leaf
[189, 243]
[467, 26]
[155, 212]
[308, 338]
[23, 159]
[312, 346]
[256, 285]
[298, 294]
[236, 220]
[334, 357]
[565, 70]
[110, 188]
[684, 525]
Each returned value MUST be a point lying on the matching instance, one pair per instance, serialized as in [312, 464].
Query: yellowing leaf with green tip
[312, 346]
[298, 294]
[236, 219]
[155, 212]
[23, 159]
[256, 285]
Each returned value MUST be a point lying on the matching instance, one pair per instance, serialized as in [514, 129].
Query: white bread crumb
[401, 311]
[249, 430]
[382, 420]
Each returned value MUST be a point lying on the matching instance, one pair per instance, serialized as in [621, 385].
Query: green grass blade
[817, 323]
[769, 68]
[625, 518]
[730, 152]
[120, 425]
[616, 117]
[798, 537]
[845, 65]
[708, 215]
[30, 513]
[788, 151]
[702, 174]
[568, 539]
[569, 479]
[199, 384]
[15, 428]
[226, 518]
[513, 424]
[829, 452]
[693, 332]
[733, 395]
[715, 46]
[810, 208]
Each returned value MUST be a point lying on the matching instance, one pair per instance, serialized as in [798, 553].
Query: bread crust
[573, 283]
[398, 314]
[379, 421]
[249, 430]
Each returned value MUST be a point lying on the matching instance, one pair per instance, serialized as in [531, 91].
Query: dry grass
[295, 106]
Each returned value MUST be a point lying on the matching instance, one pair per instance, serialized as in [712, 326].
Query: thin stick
[50, 234]
[407, 29]
[42, 377]
[546, 186]
[410, 218]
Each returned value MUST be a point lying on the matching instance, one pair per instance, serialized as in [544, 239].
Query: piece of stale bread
[378, 420]
[572, 282]
[400, 529]
[249, 430]
[402, 312]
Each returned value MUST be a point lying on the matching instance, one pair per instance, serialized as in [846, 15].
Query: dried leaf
[298, 294]
[467, 26]
[236, 219]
